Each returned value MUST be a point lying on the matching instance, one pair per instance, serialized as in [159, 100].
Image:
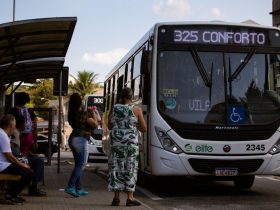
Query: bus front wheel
[244, 182]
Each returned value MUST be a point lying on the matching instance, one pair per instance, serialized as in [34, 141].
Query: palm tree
[84, 83]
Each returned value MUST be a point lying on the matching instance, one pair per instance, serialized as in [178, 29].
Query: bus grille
[209, 166]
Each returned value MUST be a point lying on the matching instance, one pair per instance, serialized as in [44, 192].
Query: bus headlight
[275, 148]
[166, 142]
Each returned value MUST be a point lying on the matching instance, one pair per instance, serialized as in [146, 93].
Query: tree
[84, 83]
[41, 92]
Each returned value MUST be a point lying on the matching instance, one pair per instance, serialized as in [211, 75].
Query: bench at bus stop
[4, 179]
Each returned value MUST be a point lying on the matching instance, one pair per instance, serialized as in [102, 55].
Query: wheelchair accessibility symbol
[236, 115]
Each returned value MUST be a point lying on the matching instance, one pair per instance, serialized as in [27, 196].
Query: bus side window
[136, 83]
[137, 64]
[125, 73]
[129, 72]
[112, 92]
[104, 94]
[120, 87]
[108, 95]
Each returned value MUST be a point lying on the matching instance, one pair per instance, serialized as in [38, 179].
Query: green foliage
[41, 92]
[84, 83]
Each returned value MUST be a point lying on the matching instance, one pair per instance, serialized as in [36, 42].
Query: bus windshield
[222, 88]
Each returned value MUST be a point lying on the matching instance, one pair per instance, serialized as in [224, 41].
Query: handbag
[16, 152]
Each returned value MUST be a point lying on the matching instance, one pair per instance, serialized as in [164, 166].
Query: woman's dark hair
[22, 98]
[126, 93]
[75, 102]
[20, 121]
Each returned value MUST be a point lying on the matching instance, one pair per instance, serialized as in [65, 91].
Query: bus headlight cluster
[166, 142]
[275, 148]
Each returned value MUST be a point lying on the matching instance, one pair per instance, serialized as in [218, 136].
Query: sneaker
[82, 192]
[72, 191]
[14, 199]
[37, 192]
[132, 203]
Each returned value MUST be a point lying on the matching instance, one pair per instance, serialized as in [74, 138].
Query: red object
[26, 142]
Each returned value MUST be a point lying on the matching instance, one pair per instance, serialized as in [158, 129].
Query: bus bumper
[273, 167]
[165, 163]
[246, 165]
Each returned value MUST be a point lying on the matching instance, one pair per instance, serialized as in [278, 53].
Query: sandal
[116, 202]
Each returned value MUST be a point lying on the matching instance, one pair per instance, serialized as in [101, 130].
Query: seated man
[35, 162]
[9, 164]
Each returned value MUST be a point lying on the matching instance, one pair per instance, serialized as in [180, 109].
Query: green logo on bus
[188, 147]
[204, 148]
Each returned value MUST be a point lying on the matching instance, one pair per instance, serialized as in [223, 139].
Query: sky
[107, 29]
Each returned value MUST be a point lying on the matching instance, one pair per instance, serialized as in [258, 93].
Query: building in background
[275, 13]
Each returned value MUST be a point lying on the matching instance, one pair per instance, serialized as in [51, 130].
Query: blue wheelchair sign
[236, 115]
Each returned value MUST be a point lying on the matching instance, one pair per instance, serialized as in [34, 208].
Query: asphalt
[93, 180]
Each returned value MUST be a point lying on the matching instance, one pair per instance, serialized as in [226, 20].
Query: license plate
[226, 172]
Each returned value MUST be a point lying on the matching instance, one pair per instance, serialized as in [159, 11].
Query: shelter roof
[29, 71]
[25, 44]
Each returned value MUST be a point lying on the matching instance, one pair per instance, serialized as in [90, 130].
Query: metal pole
[12, 86]
[50, 134]
[14, 10]
[59, 122]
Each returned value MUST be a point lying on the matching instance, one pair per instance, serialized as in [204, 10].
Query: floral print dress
[124, 156]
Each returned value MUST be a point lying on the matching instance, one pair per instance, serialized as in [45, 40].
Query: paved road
[194, 194]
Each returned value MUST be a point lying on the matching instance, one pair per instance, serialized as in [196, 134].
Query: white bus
[210, 95]
[95, 102]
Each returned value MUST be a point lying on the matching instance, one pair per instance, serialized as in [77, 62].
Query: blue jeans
[79, 147]
[37, 164]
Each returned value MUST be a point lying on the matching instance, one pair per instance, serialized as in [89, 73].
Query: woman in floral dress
[124, 122]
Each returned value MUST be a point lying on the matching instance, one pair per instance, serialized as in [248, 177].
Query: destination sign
[219, 37]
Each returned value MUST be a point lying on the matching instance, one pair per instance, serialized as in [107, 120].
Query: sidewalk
[98, 199]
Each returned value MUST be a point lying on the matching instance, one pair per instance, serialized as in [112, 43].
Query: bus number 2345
[255, 147]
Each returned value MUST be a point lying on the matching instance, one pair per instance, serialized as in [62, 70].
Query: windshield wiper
[200, 67]
[210, 88]
[242, 65]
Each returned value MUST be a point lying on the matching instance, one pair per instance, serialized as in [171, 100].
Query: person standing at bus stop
[28, 135]
[82, 122]
[124, 122]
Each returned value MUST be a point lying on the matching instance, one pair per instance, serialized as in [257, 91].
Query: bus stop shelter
[34, 49]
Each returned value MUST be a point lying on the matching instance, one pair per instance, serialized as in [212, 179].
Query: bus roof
[95, 94]
[221, 23]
